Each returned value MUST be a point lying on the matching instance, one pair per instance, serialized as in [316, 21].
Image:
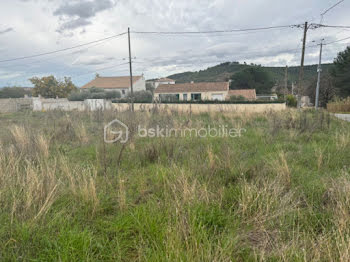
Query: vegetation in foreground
[339, 106]
[278, 193]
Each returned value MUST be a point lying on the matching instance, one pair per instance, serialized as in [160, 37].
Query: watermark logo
[220, 131]
[116, 131]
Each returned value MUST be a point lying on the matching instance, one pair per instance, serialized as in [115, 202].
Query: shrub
[78, 96]
[291, 101]
[94, 93]
[142, 97]
[96, 90]
[112, 94]
[99, 95]
[237, 98]
[13, 92]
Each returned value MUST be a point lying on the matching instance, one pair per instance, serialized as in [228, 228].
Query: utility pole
[301, 72]
[319, 70]
[131, 82]
[285, 82]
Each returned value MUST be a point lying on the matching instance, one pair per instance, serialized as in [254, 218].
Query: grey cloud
[73, 24]
[81, 12]
[160, 55]
[94, 60]
[7, 30]
[84, 9]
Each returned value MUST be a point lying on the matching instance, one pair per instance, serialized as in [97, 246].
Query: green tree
[94, 93]
[253, 77]
[50, 87]
[13, 92]
[327, 89]
[341, 73]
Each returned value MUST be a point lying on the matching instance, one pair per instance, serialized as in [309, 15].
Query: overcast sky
[30, 27]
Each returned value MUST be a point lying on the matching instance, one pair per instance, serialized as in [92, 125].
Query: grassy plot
[280, 192]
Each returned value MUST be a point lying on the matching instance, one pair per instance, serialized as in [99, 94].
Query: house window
[196, 97]
[169, 97]
[185, 97]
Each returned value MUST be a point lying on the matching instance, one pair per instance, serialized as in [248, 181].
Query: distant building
[161, 81]
[192, 91]
[218, 91]
[121, 83]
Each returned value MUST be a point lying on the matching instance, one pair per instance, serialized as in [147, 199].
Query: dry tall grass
[31, 179]
[340, 106]
[263, 197]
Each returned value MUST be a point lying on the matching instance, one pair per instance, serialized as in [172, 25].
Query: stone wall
[66, 105]
[15, 104]
[41, 104]
[204, 108]
[57, 104]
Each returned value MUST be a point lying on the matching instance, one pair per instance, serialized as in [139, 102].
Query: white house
[218, 91]
[161, 81]
[120, 83]
[192, 91]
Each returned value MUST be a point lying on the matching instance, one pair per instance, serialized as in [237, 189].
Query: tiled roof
[121, 82]
[193, 87]
[248, 94]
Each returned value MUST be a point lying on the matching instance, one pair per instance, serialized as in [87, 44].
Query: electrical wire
[100, 69]
[214, 32]
[336, 41]
[331, 26]
[329, 9]
[61, 50]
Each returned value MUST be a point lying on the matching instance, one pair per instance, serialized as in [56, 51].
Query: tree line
[335, 81]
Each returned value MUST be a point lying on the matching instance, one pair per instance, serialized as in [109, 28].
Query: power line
[101, 69]
[336, 41]
[62, 50]
[332, 26]
[262, 52]
[221, 34]
[33, 63]
[216, 31]
[333, 6]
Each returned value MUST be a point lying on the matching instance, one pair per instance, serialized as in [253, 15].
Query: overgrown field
[281, 192]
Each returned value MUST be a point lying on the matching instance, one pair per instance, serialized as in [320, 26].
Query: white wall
[204, 108]
[65, 105]
[204, 95]
[156, 84]
[140, 85]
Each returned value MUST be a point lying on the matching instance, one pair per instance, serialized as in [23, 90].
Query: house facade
[121, 84]
[214, 91]
[192, 91]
